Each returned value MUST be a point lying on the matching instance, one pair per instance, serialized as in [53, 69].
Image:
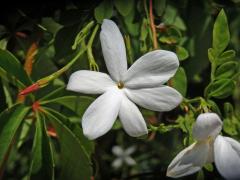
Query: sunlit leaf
[221, 88]
[226, 70]
[221, 35]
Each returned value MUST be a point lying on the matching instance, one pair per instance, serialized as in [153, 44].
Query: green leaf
[75, 149]
[231, 126]
[179, 81]
[214, 107]
[208, 167]
[169, 15]
[221, 88]
[179, 23]
[103, 11]
[124, 7]
[42, 165]
[78, 104]
[159, 6]
[10, 120]
[211, 55]
[221, 35]
[3, 43]
[51, 25]
[182, 53]
[226, 56]
[226, 70]
[10, 64]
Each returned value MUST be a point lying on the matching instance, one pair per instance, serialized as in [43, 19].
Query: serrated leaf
[103, 11]
[221, 35]
[124, 7]
[10, 121]
[179, 81]
[10, 64]
[226, 70]
[182, 53]
[42, 165]
[74, 155]
[220, 89]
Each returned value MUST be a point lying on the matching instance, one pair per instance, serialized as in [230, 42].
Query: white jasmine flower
[210, 147]
[123, 156]
[142, 84]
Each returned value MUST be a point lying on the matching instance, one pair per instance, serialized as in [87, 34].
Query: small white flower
[210, 147]
[142, 84]
[123, 156]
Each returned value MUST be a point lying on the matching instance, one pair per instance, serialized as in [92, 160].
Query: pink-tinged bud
[29, 89]
[51, 131]
[36, 106]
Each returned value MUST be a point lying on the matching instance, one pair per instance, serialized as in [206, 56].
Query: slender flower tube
[210, 147]
[142, 84]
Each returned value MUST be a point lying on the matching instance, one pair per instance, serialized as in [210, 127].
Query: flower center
[120, 85]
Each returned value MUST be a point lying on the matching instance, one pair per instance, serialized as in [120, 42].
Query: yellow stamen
[120, 85]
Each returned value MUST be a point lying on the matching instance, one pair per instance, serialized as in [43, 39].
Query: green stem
[213, 69]
[92, 62]
[44, 81]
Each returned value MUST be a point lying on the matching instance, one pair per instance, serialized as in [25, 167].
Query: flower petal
[101, 114]
[113, 48]
[117, 150]
[189, 160]
[130, 150]
[130, 161]
[117, 163]
[162, 98]
[132, 119]
[90, 82]
[152, 69]
[227, 157]
[207, 125]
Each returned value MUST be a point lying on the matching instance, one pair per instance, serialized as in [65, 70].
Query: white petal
[130, 150]
[227, 157]
[117, 150]
[101, 114]
[189, 161]
[207, 125]
[132, 119]
[117, 163]
[113, 48]
[152, 69]
[130, 161]
[89, 82]
[162, 98]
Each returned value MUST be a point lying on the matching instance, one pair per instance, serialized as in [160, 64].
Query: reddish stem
[154, 34]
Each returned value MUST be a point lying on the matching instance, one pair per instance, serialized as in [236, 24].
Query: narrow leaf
[10, 64]
[74, 157]
[10, 120]
[42, 166]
